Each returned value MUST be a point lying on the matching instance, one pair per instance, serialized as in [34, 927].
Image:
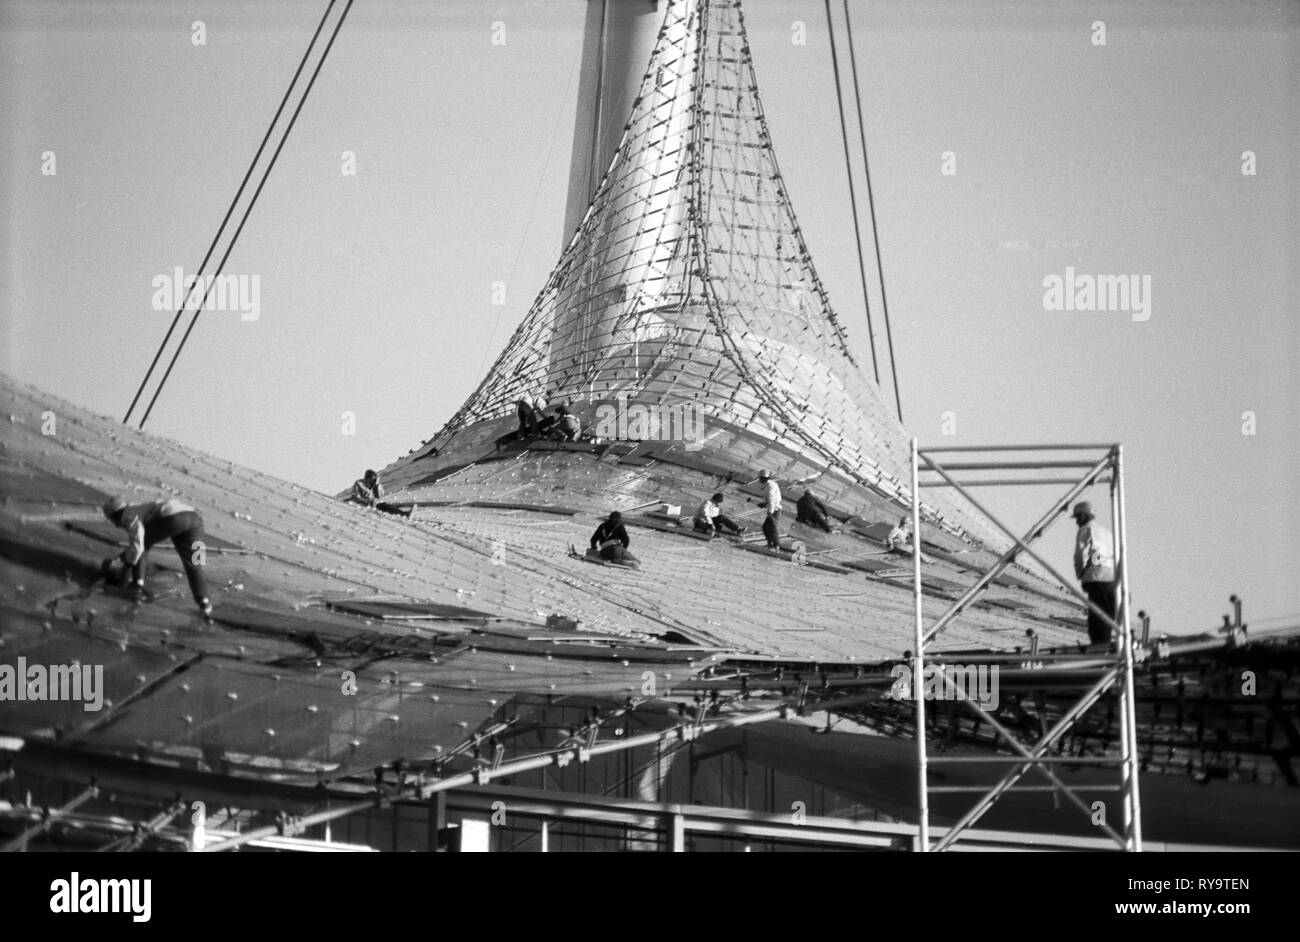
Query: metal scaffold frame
[1116, 662]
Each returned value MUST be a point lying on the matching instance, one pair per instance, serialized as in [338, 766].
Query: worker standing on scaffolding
[1094, 566]
[772, 503]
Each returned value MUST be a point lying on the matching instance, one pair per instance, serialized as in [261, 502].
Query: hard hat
[762, 475]
[113, 505]
[1082, 509]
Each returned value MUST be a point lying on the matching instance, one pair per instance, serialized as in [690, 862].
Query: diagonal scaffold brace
[1115, 663]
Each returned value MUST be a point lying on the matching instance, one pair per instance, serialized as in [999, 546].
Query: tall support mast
[616, 44]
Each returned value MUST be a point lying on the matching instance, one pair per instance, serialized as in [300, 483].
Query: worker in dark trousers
[528, 411]
[151, 523]
[610, 541]
[709, 518]
[1094, 566]
[367, 492]
[772, 503]
[813, 512]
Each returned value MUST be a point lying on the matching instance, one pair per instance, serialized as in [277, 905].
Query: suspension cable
[871, 208]
[194, 318]
[853, 199]
[229, 211]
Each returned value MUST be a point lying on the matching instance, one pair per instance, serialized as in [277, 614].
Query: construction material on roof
[410, 610]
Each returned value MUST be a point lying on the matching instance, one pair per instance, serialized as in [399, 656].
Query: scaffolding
[1113, 665]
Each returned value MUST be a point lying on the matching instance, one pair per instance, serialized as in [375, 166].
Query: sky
[376, 289]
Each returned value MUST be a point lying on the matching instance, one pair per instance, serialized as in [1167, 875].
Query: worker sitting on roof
[900, 539]
[709, 517]
[1094, 567]
[567, 426]
[548, 422]
[153, 522]
[772, 502]
[367, 492]
[813, 512]
[610, 541]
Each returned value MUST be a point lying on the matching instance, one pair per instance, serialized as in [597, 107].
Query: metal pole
[19, 843]
[1007, 482]
[1016, 465]
[978, 448]
[918, 666]
[1126, 635]
[1125, 700]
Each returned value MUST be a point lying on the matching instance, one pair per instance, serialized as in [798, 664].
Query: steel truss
[1116, 662]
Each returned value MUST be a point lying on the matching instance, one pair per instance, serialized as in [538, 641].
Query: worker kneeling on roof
[611, 541]
[153, 522]
[813, 512]
[567, 426]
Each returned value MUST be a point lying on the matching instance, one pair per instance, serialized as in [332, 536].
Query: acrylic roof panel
[248, 682]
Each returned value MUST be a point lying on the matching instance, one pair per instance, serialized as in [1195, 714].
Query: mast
[617, 41]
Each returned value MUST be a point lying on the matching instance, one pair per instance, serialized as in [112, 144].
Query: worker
[528, 410]
[709, 517]
[610, 541]
[567, 426]
[813, 512]
[367, 492]
[1094, 567]
[772, 503]
[899, 539]
[150, 523]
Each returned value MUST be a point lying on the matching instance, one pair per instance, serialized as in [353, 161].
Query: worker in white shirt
[1094, 566]
[900, 539]
[772, 503]
[709, 517]
[153, 522]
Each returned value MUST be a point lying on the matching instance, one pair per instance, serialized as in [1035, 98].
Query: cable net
[688, 282]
